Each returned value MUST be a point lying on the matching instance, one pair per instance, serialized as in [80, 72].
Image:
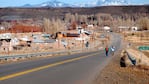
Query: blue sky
[6, 3]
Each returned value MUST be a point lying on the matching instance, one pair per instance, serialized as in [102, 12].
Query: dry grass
[137, 38]
[114, 74]
[146, 53]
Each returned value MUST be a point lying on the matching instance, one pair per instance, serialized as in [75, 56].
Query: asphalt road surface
[71, 69]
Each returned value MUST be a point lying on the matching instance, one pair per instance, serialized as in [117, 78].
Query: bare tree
[53, 26]
[46, 25]
[143, 23]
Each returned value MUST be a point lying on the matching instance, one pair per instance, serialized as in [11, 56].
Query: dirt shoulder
[114, 74]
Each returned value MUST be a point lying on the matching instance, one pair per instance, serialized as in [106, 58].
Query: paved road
[72, 69]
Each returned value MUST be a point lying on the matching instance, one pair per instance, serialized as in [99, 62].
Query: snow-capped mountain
[103, 3]
[53, 3]
[56, 3]
[115, 2]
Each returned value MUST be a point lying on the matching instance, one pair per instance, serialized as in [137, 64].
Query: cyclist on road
[113, 50]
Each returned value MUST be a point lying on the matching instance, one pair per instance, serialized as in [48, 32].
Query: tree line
[101, 19]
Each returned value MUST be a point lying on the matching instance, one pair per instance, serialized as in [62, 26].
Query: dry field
[138, 39]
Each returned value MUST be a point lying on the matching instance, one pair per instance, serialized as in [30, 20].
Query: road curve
[71, 69]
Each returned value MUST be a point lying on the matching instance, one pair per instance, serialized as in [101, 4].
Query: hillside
[39, 13]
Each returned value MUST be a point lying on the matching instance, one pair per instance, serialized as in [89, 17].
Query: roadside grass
[114, 74]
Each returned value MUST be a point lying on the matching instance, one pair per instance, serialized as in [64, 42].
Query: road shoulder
[114, 74]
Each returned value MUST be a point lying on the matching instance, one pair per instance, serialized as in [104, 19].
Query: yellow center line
[43, 67]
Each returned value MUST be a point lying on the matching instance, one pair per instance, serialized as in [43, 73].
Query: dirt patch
[146, 53]
[114, 74]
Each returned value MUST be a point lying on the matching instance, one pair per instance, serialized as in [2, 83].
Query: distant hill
[49, 12]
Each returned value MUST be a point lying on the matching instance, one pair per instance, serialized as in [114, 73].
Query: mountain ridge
[56, 3]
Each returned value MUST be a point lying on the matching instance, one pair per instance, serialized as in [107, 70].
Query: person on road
[87, 44]
[107, 50]
[113, 50]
